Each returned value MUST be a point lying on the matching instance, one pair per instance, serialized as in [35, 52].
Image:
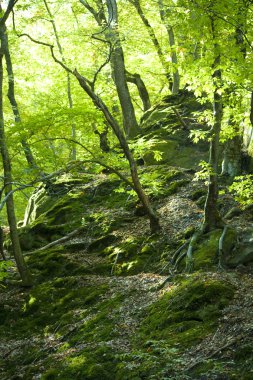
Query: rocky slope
[108, 302]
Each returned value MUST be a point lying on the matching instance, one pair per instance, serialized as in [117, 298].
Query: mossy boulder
[168, 126]
[54, 211]
[188, 312]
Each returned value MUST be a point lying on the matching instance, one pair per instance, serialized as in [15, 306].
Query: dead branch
[182, 122]
[58, 241]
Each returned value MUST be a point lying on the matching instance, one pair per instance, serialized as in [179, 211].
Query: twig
[183, 123]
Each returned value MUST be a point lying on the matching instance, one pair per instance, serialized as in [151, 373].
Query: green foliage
[197, 135]
[242, 189]
[205, 172]
[4, 266]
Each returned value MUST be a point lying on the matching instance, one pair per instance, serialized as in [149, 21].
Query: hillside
[110, 301]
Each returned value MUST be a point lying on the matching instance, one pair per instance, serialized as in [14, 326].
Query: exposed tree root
[221, 250]
[180, 254]
[176, 255]
[189, 255]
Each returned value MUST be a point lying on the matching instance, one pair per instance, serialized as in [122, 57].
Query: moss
[167, 149]
[51, 263]
[98, 364]
[196, 194]
[174, 186]
[131, 256]
[243, 353]
[206, 252]
[55, 302]
[101, 243]
[187, 313]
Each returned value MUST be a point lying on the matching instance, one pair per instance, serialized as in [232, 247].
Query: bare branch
[93, 160]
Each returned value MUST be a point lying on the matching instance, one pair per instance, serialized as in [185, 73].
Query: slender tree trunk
[103, 138]
[22, 268]
[173, 54]
[212, 217]
[110, 29]
[165, 64]
[232, 157]
[69, 92]
[142, 89]
[154, 220]
[11, 95]
[233, 154]
[119, 71]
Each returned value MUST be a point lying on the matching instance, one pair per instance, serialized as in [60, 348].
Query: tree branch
[9, 9]
[95, 161]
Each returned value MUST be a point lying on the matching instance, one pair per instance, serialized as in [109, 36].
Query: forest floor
[81, 321]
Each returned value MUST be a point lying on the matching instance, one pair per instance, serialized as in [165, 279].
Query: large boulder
[61, 206]
[168, 125]
[242, 254]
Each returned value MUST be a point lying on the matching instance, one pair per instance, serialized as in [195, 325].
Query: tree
[162, 57]
[110, 29]
[69, 92]
[175, 73]
[22, 268]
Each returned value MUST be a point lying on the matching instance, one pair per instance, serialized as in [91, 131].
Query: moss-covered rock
[163, 125]
[187, 312]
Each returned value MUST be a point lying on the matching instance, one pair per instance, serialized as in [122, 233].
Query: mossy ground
[97, 311]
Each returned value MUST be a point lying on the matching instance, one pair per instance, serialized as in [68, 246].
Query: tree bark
[212, 218]
[232, 157]
[119, 71]
[233, 154]
[153, 218]
[157, 46]
[110, 29]
[22, 268]
[142, 89]
[69, 92]
[11, 96]
[173, 54]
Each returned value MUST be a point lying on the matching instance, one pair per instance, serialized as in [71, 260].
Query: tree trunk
[11, 95]
[22, 268]
[232, 157]
[233, 153]
[173, 54]
[69, 92]
[154, 220]
[110, 29]
[103, 139]
[154, 40]
[119, 71]
[142, 89]
[157, 46]
[212, 217]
